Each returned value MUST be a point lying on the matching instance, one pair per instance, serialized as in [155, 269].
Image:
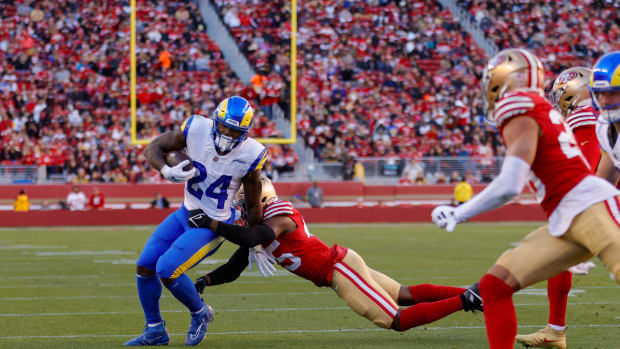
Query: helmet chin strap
[228, 145]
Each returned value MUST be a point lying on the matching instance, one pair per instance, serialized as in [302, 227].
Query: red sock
[557, 290]
[499, 312]
[430, 293]
[425, 313]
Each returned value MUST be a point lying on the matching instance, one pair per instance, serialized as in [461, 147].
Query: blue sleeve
[259, 162]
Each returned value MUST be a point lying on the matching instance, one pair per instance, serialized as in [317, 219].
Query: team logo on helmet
[566, 77]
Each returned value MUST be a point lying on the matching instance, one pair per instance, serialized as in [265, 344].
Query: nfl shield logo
[215, 158]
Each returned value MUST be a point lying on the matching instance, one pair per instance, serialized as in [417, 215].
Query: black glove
[199, 219]
[201, 283]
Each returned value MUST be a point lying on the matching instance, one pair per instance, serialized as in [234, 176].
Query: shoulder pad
[583, 116]
[511, 105]
[278, 208]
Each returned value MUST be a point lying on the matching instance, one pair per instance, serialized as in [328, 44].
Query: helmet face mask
[570, 89]
[609, 113]
[224, 143]
[604, 88]
[234, 113]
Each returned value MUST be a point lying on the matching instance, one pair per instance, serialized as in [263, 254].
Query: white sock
[556, 327]
[154, 325]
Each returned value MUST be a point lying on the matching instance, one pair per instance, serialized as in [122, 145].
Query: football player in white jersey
[223, 158]
[605, 91]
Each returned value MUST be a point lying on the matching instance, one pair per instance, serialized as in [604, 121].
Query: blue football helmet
[606, 78]
[234, 112]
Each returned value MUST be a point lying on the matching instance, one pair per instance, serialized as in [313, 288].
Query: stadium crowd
[563, 34]
[375, 78]
[64, 84]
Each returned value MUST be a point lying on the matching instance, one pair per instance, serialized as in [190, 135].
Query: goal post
[293, 82]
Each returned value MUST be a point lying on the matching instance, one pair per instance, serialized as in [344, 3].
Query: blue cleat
[157, 335]
[198, 328]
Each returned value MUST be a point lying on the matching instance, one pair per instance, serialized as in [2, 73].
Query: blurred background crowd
[376, 78]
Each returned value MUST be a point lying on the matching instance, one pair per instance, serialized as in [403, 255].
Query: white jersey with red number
[560, 175]
[299, 251]
[582, 121]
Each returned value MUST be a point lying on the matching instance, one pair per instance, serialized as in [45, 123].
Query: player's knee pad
[148, 259]
[165, 268]
[383, 322]
[610, 256]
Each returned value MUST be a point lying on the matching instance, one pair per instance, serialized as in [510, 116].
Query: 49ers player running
[285, 236]
[570, 96]
[539, 146]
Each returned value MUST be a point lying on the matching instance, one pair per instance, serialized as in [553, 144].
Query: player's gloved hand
[201, 283]
[444, 217]
[264, 262]
[176, 173]
[198, 219]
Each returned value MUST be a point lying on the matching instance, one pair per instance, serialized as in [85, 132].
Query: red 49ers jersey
[582, 121]
[559, 164]
[301, 252]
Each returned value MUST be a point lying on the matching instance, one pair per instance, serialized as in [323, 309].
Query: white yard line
[259, 310]
[342, 330]
[242, 310]
[268, 294]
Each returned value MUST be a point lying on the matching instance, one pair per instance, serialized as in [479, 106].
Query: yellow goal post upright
[293, 85]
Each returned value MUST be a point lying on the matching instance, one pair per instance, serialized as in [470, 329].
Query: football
[173, 158]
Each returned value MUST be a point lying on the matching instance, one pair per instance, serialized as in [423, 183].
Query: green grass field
[75, 288]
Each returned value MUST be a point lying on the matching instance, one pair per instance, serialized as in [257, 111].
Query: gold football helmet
[267, 196]
[510, 69]
[570, 88]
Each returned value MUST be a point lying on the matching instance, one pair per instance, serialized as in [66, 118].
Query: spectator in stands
[348, 169]
[455, 177]
[270, 172]
[441, 179]
[412, 171]
[22, 204]
[420, 179]
[462, 192]
[359, 173]
[97, 200]
[76, 200]
[160, 202]
[314, 195]
[298, 202]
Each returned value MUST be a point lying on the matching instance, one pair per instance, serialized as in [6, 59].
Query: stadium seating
[563, 34]
[376, 78]
[65, 88]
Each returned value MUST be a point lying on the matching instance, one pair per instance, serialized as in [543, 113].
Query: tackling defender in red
[286, 238]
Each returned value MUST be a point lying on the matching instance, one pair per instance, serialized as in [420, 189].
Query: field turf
[75, 288]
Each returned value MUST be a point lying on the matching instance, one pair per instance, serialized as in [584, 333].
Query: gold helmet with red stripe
[510, 69]
[267, 196]
[570, 88]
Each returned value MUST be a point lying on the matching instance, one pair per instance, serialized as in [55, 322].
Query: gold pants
[540, 256]
[369, 293]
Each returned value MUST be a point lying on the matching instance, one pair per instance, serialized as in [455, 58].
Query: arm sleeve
[230, 271]
[508, 184]
[245, 236]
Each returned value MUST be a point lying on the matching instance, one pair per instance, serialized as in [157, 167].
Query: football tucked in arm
[174, 158]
